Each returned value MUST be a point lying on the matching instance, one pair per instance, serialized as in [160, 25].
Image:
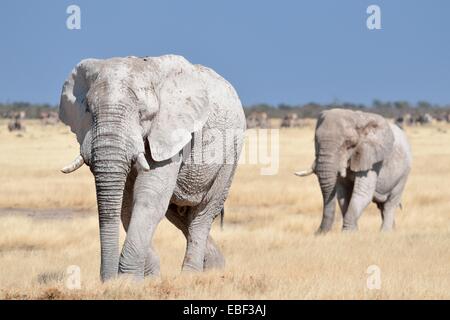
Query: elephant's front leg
[363, 191]
[151, 260]
[151, 196]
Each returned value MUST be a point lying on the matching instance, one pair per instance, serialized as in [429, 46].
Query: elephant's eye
[144, 115]
[349, 144]
[86, 105]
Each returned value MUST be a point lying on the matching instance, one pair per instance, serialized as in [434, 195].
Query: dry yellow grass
[268, 238]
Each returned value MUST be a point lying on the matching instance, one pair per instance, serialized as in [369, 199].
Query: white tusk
[74, 165]
[142, 162]
[304, 173]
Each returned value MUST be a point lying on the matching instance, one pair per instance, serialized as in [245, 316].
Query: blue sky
[271, 51]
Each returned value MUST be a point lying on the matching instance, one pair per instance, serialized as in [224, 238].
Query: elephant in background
[147, 128]
[360, 157]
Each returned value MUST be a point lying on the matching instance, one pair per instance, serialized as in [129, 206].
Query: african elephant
[161, 137]
[360, 157]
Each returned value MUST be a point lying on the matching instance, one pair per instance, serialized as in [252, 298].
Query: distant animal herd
[255, 119]
[260, 119]
[17, 119]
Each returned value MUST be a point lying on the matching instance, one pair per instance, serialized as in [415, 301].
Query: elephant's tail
[222, 213]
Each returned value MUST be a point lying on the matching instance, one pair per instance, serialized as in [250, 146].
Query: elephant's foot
[350, 222]
[191, 268]
[388, 219]
[322, 231]
[326, 224]
[123, 273]
[349, 228]
[137, 267]
[152, 265]
[194, 258]
[131, 265]
[387, 227]
[213, 257]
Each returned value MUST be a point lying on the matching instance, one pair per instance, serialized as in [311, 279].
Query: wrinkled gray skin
[360, 158]
[128, 110]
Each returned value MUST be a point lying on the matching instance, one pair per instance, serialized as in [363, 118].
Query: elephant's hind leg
[201, 217]
[213, 256]
[391, 204]
[199, 220]
[388, 213]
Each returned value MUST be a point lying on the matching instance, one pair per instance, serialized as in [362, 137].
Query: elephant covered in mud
[360, 157]
[162, 137]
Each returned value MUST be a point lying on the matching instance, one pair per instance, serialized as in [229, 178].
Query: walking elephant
[162, 137]
[360, 158]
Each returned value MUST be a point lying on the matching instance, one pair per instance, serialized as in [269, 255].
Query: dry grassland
[268, 237]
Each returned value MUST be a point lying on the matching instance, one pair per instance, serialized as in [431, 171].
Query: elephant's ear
[73, 106]
[183, 109]
[375, 144]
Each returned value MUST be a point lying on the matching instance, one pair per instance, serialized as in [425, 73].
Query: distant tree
[31, 110]
[284, 106]
[423, 105]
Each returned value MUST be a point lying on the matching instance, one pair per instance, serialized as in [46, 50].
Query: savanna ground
[48, 222]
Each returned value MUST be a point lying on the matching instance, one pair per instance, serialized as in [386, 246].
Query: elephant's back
[401, 144]
[226, 105]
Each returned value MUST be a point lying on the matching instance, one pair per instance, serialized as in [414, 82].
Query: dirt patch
[18, 247]
[46, 214]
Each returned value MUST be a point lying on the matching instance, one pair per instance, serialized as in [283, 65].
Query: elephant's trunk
[109, 200]
[111, 162]
[326, 170]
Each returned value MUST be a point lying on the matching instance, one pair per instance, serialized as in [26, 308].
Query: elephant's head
[114, 106]
[352, 140]
[344, 140]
